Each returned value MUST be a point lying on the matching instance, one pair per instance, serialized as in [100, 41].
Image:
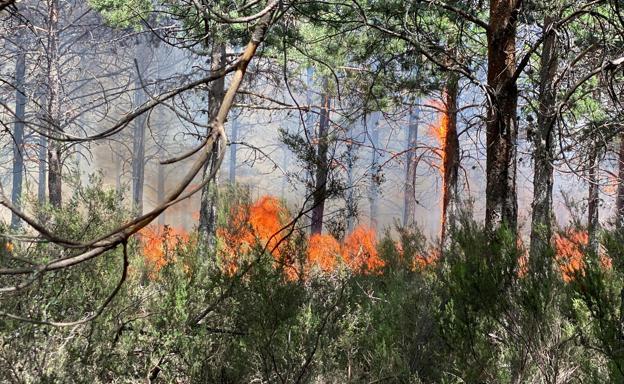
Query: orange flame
[360, 251]
[322, 251]
[421, 262]
[439, 131]
[259, 223]
[569, 247]
[611, 185]
[157, 241]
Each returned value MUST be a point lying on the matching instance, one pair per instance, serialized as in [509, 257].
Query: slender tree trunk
[351, 203]
[501, 202]
[233, 152]
[308, 130]
[117, 160]
[18, 134]
[209, 194]
[411, 163]
[142, 53]
[160, 192]
[373, 193]
[619, 216]
[319, 195]
[42, 171]
[450, 167]
[544, 141]
[593, 201]
[55, 165]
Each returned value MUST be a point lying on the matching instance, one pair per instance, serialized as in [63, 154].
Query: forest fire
[323, 251]
[260, 223]
[439, 131]
[570, 250]
[156, 244]
[360, 251]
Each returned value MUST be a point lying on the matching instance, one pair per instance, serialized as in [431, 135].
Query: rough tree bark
[411, 163]
[450, 164]
[208, 206]
[593, 199]
[501, 125]
[142, 55]
[42, 169]
[117, 160]
[55, 164]
[373, 193]
[544, 142]
[160, 185]
[233, 151]
[322, 165]
[18, 133]
[619, 215]
[308, 130]
[350, 198]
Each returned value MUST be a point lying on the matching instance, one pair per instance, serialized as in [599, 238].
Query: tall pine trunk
[373, 192]
[501, 125]
[233, 151]
[18, 133]
[55, 164]
[350, 197]
[450, 156]
[544, 141]
[160, 185]
[209, 194]
[42, 151]
[142, 54]
[619, 204]
[319, 195]
[593, 199]
[411, 162]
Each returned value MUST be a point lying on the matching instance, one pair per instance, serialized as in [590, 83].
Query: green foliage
[122, 13]
[474, 315]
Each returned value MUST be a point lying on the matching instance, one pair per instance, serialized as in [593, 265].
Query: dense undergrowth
[290, 309]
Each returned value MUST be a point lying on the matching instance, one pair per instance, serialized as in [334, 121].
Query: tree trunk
[208, 208]
[142, 53]
[233, 150]
[411, 163]
[544, 141]
[373, 193]
[501, 125]
[160, 186]
[593, 200]
[18, 134]
[450, 162]
[619, 218]
[117, 160]
[350, 198]
[308, 130]
[41, 160]
[322, 167]
[55, 166]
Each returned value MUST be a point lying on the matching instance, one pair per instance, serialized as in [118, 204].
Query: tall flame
[258, 223]
[439, 131]
[322, 252]
[360, 251]
[157, 242]
[570, 247]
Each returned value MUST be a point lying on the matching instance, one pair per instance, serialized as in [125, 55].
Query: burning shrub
[157, 241]
[258, 223]
[360, 251]
[322, 251]
[570, 247]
